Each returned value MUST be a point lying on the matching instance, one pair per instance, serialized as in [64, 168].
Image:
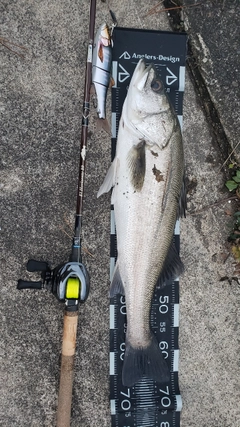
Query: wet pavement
[40, 110]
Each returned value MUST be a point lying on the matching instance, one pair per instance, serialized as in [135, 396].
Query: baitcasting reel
[69, 282]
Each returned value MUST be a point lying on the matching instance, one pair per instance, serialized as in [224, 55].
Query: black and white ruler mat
[147, 403]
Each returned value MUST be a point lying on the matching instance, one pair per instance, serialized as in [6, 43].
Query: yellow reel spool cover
[73, 288]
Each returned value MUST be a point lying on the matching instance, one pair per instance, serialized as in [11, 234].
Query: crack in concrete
[220, 139]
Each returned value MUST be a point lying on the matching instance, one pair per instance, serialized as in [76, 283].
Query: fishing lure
[101, 76]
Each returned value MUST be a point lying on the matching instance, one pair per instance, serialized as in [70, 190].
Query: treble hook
[114, 23]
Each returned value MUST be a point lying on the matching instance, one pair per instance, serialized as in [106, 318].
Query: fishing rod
[76, 247]
[69, 281]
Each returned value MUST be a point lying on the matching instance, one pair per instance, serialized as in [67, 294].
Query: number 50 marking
[164, 300]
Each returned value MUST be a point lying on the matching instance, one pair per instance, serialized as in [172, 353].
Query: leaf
[231, 165]
[236, 252]
[238, 173]
[237, 214]
[231, 185]
[236, 178]
[233, 237]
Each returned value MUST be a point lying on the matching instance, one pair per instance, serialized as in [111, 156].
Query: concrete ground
[40, 106]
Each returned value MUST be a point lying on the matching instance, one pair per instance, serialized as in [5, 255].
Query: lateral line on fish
[166, 190]
[168, 176]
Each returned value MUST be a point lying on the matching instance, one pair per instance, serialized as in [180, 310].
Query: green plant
[236, 252]
[234, 237]
[234, 183]
[235, 233]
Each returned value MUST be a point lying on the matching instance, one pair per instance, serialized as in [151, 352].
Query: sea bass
[101, 65]
[148, 195]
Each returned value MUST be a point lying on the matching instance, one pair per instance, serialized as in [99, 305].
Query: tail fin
[103, 124]
[144, 362]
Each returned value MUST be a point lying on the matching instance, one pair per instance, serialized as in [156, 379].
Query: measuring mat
[147, 403]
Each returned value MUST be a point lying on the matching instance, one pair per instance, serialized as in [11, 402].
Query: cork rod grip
[67, 366]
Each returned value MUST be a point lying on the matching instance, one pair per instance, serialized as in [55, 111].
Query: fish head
[147, 102]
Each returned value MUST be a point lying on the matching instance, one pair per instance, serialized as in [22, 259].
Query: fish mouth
[141, 74]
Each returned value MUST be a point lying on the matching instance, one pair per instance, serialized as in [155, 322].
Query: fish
[101, 76]
[147, 176]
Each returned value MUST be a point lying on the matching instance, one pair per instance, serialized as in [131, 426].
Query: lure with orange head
[101, 76]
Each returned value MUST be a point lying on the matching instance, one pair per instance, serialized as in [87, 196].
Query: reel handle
[34, 265]
[24, 284]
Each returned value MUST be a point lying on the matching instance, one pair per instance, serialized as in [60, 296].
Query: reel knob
[24, 284]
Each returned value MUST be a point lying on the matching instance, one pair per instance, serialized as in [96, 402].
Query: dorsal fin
[182, 200]
[172, 268]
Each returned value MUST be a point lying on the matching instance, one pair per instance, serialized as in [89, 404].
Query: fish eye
[156, 85]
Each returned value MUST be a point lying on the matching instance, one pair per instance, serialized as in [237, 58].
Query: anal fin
[116, 283]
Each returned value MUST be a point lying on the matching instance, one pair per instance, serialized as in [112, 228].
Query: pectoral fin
[137, 165]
